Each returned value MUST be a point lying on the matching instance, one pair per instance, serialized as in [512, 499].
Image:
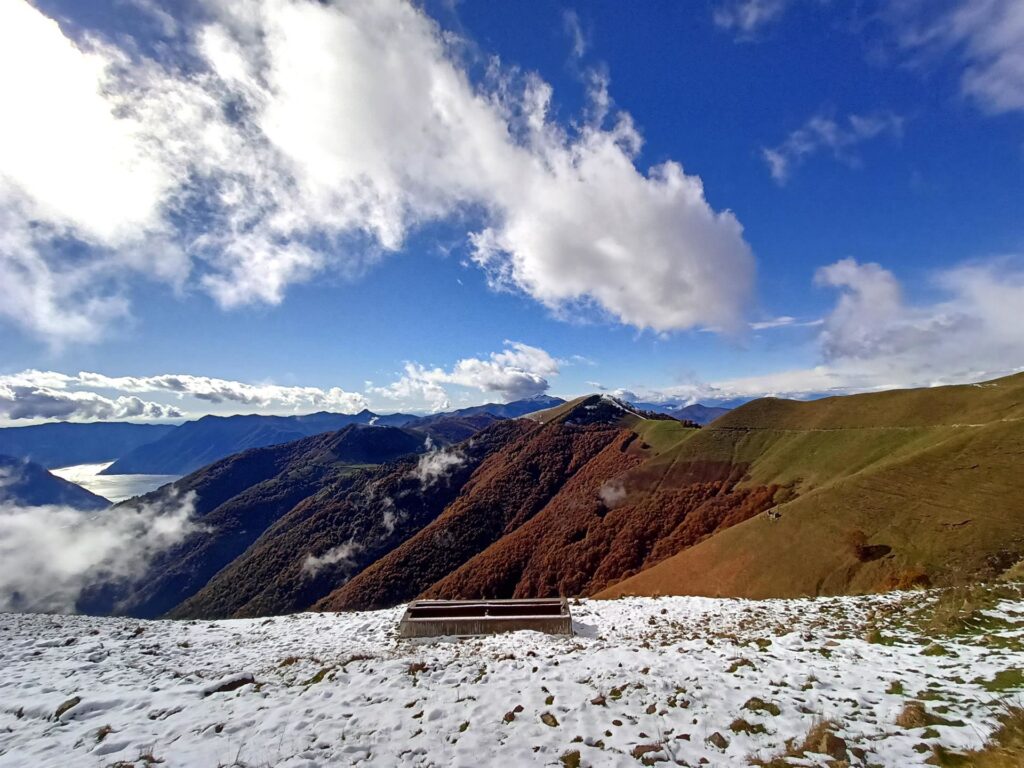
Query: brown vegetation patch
[508, 489]
[548, 556]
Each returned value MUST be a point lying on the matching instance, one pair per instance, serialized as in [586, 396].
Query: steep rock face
[342, 528]
[508, 489]
[238, 498]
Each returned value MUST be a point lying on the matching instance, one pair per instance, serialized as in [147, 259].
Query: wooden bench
[465, 618]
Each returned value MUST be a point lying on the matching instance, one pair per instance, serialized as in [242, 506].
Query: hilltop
[27, 484]
[877, 491]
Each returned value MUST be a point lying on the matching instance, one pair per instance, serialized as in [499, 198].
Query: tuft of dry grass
[913, 715]
[960, 610]
[820, 739]
[1005, 748]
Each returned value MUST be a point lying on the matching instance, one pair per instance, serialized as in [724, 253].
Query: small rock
[642, 749]
[74, 701]
[833, 746]
[717, 740]
[229, 684]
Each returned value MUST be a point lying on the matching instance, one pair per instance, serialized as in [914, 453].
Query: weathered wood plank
[460, 618]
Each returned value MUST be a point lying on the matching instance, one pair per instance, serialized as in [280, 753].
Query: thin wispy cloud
[746, 17]
[838, 138]
[574, 29]
[784, 321]
[985, 37]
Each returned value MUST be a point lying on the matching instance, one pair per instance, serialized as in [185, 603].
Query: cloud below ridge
[49, 555]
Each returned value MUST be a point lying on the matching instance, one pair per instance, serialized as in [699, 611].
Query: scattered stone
[739, 725]
[643, 749]
[832, 745]
[74, 701]
[718, 740]
[231, 683]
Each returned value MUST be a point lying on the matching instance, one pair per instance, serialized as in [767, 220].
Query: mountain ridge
[65, 443]
[27, 484]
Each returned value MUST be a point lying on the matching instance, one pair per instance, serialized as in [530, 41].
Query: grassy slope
[934, 475]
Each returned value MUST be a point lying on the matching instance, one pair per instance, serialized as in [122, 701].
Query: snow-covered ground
[644, 679]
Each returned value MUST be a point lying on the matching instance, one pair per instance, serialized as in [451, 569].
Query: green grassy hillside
[878, 490]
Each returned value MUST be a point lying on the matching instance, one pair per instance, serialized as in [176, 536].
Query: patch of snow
[343, 689]
[622, 406]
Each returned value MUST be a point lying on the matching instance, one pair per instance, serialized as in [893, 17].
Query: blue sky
[882, 251]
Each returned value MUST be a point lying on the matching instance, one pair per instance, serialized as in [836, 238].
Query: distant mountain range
[178, 450]
[511, 410]
[63, 444]
[701, 414]
[26, 483]
[195, 444]
[597, 497]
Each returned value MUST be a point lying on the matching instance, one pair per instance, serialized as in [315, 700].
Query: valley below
[900, 679]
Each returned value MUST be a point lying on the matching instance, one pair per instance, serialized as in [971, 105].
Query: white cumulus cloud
[88, 396]
[876, 338]
[517, 372]
[305, 137]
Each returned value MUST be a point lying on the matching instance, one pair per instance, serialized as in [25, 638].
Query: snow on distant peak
[622, 406]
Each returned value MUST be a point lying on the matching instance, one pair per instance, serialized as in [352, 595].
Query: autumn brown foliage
[580, 543]
[506, 491]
